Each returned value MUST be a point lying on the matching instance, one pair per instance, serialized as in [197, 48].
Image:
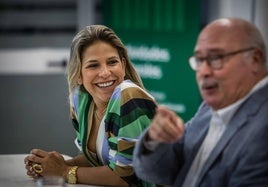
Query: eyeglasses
[214, 61]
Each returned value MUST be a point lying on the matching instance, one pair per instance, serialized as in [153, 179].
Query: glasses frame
[195, 64]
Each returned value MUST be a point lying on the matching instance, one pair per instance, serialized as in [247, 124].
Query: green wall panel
[160, 36]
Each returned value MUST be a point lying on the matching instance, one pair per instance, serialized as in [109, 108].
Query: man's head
[229, 59]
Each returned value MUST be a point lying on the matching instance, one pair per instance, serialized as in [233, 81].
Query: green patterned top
[129, 112]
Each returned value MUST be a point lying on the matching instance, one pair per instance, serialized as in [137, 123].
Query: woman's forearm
[101, 175]
[79, 160]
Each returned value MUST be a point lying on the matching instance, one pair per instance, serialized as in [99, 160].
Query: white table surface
[13, 172]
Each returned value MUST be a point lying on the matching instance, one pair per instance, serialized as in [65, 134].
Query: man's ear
[257, 60]
[258, 56]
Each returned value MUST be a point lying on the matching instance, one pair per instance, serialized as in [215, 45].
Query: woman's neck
[100, 109]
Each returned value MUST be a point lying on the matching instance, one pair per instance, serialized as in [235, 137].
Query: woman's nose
[105, 71]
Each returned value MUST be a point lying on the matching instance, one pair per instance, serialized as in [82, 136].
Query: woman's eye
[112, 62]
[92, 66]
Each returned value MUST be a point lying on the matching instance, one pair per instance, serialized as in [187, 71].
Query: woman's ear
[124, 64]
[79, 80]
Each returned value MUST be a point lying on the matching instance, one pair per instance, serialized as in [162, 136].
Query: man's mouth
[209, 85]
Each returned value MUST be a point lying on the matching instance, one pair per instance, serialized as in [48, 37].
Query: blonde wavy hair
[88, 36]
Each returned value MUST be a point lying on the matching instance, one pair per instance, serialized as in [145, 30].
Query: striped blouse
[129, 111]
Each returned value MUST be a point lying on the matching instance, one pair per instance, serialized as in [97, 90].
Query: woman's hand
[29, 167]
[50, 164]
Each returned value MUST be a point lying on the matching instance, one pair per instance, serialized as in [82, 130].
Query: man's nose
[204, 68]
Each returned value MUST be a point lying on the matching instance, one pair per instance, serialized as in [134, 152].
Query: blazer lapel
[194, 138]
[227, 136]
[250, 107]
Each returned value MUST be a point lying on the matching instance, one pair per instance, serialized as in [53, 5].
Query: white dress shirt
[218, 123]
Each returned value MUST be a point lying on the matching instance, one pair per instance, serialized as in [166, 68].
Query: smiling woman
[109, 109]
[102, 71]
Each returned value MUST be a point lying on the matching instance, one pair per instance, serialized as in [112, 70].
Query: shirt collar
[226, 113]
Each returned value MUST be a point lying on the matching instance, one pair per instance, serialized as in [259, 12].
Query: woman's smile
[105, 84]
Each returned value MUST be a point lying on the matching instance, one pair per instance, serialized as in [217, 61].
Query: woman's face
[102, 70]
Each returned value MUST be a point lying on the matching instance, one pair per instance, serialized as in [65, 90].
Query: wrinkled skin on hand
[166, 126]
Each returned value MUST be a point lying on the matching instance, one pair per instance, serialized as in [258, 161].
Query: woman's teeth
[105, 84]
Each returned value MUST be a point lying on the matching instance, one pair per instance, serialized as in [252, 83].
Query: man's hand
[166, 126]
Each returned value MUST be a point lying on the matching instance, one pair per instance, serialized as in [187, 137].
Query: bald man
[225, 143]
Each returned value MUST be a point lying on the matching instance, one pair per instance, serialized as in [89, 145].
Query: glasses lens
[215, 61]
[193, 63]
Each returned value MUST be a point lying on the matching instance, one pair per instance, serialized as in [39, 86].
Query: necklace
[98, 118]
[99, 115]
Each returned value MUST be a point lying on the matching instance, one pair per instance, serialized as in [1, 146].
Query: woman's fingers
[39, 152]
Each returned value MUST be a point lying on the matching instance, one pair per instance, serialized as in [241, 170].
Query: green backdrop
[160, 36]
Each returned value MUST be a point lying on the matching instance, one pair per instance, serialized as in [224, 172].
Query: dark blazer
[240, 158]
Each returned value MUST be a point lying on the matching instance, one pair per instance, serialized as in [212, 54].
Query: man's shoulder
[257, 99]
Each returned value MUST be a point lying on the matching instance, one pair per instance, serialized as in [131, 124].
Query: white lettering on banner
[149, 71]
[145, 53]
[179, 108]
[158, 95]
